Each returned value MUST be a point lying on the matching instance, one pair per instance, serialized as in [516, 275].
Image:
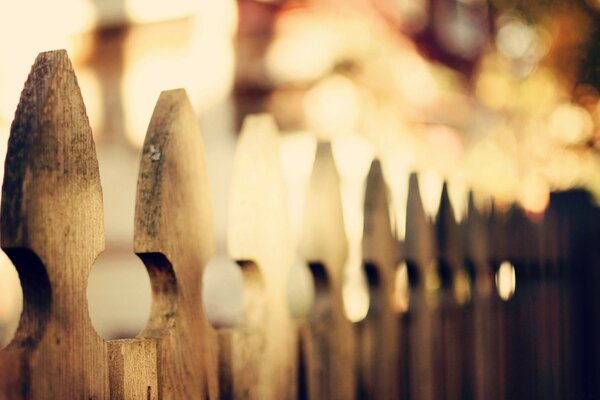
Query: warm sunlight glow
[300, 290]
[458, 192]
[11, 299]
[28, 28]
[222, 291]
[506, 280]
[295, 58]
[92, 97]
[333, 107]
[397, 164]
[297, 156]
[355, 291]
[353, 155]
[570, 124]
[201, 61]
[430, 186]
[515, 39]
[415, 79]
[402, 288]
[534, 194]
[462, 286]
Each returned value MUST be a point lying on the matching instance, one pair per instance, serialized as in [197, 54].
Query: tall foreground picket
[173, 236]
[377, 334]
[52, 229]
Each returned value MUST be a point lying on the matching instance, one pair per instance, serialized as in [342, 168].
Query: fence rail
[458, 339]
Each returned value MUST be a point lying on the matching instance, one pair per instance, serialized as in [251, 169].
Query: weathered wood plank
[329, 337]
[259, 231]
[377, 334]
[52, 229]
[133, 369]
[173, 237]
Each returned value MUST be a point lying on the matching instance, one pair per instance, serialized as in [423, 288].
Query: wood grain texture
[377, 334]
[52, 229]
[419, 254]
[329, 341]
[259, 231]
[133, 369]
[173, 237]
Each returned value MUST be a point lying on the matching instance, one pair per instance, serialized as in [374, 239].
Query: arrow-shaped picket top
[448, 233]
[377, 334]
[173, 236]
[52, 229]
[419, 243]
[259, 231]
[379, 246]
[454, 331]
[329, 343]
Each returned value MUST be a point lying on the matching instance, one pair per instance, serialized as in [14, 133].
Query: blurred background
[500, 96]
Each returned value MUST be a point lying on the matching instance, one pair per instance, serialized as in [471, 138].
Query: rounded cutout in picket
[300, 290]
[401, 288]
[222, 292]
[356, 291]
[11, 300]
[119, 295]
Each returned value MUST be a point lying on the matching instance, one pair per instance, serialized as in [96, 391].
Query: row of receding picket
[540, 344]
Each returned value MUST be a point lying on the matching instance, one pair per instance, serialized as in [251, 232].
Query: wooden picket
[328, 340]
[419, 255]
[260, 236]
[457, 340]
[377, 334]
[173, 237]
[52, 229]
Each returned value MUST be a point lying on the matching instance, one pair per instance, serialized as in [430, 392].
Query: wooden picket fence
[540, 344]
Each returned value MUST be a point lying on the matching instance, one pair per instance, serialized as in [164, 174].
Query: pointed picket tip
[448, 231]
[259, 227]
[378, 243]
[173, 235]
[173, 184]
[476, 236]
[323, 235]
[419, 246]
[51, 196]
